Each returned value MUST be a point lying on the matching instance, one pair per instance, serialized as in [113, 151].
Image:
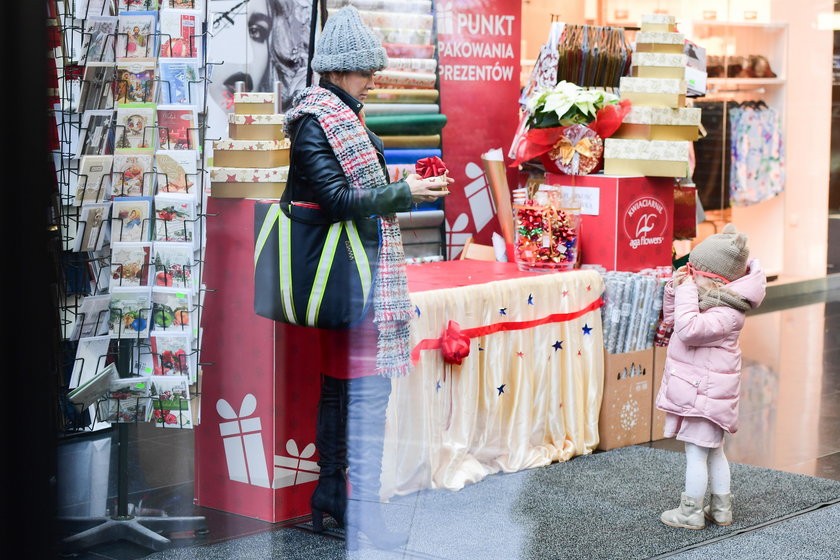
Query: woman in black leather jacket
[338, 165]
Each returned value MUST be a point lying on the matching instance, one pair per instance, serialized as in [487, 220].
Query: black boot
[330, 496]
[368, 400]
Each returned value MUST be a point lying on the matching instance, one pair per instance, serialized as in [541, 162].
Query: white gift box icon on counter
[242, 437]
[296, 468]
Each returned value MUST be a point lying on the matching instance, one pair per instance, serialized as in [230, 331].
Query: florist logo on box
[645, 222]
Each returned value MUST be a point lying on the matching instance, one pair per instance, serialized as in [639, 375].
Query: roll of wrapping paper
[409, 156]
[396, 125]
[394, 19]
[397, 35]
[494, 167]
[402, 50]
[424, 219]
[413, 6]
[390, 95]
[401, 78]
[412, 64]
[377, 109]
[427, 141]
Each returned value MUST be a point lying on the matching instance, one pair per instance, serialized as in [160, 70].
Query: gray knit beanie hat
[725, 253]
[346, 44]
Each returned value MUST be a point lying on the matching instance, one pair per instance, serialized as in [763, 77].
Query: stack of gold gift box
[656, 134]
[254, 161]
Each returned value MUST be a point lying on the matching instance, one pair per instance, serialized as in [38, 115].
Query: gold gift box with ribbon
[660, 42]
[253, 103]
[245, 182]
[251, 153]
[652, 158]
[660, 123]
[654, 92]
[256, 127]
[659, 65]
[653, 23]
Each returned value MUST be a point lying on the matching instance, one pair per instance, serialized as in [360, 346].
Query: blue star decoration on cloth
[437, 386]
[530, 299]
[501, 388]
[587, 329]
[417, 310]
[503, 311]
[480, 349]
[558, 345]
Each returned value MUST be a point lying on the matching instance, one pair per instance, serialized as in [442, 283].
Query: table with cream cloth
[522, 398]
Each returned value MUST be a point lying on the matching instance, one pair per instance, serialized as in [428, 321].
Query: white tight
[703, 465]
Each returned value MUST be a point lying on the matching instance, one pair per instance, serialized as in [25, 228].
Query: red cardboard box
[627, 222]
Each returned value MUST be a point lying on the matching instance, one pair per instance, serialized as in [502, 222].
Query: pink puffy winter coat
[703, 366]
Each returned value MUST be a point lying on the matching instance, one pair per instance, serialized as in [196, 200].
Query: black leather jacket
[317, 176]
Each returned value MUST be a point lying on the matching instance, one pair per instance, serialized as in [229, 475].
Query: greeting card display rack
[129, 112]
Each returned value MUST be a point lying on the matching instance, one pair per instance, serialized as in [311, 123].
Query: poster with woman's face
[258, 42]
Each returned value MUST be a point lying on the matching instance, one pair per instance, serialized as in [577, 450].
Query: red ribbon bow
[430, 167]
[454, 345]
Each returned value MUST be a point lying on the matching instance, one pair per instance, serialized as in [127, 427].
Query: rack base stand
[143, 531]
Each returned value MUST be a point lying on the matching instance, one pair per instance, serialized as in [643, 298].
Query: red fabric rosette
[454, 345]
[430, 167]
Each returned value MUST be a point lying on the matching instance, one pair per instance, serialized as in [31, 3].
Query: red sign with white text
[478, 51]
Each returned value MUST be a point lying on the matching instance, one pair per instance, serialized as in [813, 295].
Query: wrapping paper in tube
[633, 304]
[400, 78]
[413, 6]
[390, 95]
[425, 141]
[376, 109]
[252, 97]
[409, 156]
[395, 125]
[403, 36]
[397, 19]
[248, 175]
[274, 118]
[424, 219]
[404, 50]
[412, 64]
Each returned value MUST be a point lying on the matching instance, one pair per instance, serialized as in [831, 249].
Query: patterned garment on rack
[757, 172]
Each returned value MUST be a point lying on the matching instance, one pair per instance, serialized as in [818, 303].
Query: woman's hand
[681, 275]
[428, 190]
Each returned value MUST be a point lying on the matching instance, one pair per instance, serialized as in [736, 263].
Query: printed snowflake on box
[629, 415]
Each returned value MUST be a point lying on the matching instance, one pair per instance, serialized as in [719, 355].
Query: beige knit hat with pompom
[725, 254]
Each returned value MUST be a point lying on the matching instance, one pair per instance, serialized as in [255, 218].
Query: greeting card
[132, 175]
[90, 229]
[179, 81]
[173, 354]
[94, 181]
[124, 6]
[171, 402]
[92, 388]
[97, 133]
[133, 124]
[98, 42]
[130, 264]
[180, 32]
[135, 81]
[97, 88]
[182, 4]
[172, 266]
[91, 318]
[91, 356]
[127, 400]
[171, 310]
[130, 311]
[174, 218]
[177, 171]
[131, 219]
[136, 34]
[177, 127]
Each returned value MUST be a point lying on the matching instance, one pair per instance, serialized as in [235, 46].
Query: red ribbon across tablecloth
[451, 341]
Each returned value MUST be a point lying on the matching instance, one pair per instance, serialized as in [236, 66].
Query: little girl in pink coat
[706, 302]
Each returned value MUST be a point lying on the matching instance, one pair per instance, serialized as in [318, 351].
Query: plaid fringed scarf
[357, 156]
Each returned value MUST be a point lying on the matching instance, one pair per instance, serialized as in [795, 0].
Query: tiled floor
[790, 421]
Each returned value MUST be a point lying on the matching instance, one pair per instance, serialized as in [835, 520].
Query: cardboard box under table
[625, 407]
[653, 158]
[251, 153]
[660, 123]
[256, 127]
[626, 221]
[253, 103]
[243, 182]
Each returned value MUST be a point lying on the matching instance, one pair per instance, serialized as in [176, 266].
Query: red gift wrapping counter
[254, 447]
[627, 223]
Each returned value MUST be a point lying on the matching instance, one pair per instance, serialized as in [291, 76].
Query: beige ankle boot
[719, 510]
[688, 516]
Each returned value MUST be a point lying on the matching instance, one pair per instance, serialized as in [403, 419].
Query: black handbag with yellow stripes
[307, 270]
